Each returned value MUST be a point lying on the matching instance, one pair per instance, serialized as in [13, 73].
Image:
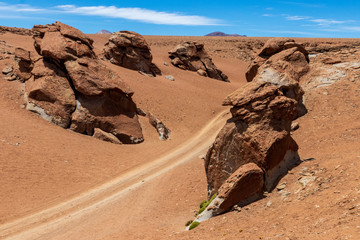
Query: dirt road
[53, 218]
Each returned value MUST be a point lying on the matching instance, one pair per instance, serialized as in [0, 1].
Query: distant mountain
[221, 34]
[103, 32]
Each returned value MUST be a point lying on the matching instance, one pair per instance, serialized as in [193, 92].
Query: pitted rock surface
[130, 50]
[193, 57]
[70, 87]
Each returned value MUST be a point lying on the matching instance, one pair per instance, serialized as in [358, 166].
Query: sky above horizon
[261, 18]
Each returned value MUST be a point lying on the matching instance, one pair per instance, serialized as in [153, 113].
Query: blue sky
[252, 18]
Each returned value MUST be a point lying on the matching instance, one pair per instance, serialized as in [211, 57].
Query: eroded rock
[244, 185]
[259, 131]
[105, 136]
[284, 55]
[71, 88]
[130, 50]
[164, 132]
[50, 90]
[24, 64]
[193, 57]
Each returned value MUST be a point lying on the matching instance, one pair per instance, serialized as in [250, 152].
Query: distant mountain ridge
[221, 34]
[103, 32]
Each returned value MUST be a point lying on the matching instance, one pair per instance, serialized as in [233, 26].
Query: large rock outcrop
[193, 57]
[258, 132]
[282, 62]
[70, 87]
[130, 50]
[256, 141]
[283, 54]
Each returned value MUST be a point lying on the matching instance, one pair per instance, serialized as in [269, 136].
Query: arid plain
[57, 184]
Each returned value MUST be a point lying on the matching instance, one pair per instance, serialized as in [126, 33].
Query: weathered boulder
[24, 64]
[164, 132]
[193, 57]
[105, 136]
[256, 144]
[91, 78]
[71, 88]
[282, 62]
[61, 42]
[49, 93]
[244, 185]
[258, 132]
[130, 50]
[288, 57]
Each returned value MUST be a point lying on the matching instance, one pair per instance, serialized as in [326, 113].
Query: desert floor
[57, 184]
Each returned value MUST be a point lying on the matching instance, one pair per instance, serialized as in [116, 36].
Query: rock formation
[283, 55]
[15, 30]
[193, 57]
[164, 132]
[130, 50]
[282, 62]
[71, 88]
[24, 66]
[255, 148]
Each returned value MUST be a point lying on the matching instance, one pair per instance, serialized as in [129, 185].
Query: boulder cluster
[193, 57]
[70, 87]
[130, 50]
[255, 148]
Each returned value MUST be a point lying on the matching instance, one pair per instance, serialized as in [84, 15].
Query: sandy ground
[43, 166]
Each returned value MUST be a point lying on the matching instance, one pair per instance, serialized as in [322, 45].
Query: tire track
[49, 220]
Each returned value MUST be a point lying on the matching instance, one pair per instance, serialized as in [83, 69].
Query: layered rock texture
[255, 148]
[282, 62]
[69, 86]
[130, 50]
[193, 57]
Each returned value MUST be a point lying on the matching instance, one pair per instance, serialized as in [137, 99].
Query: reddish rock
[49, 92]
[70, 70]
[130, 50]
[24, 64]
[105, 136]
[14, 30]
[22, 54]
[112, 112]
[193, 57]
[61, 42]
[297, 57]
[258, 132]
[92, 78]
[282, 62]
[244, 185]
[164, 132]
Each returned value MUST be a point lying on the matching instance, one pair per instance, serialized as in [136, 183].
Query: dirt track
[49, 220]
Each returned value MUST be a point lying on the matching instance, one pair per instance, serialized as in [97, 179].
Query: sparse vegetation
[194, 225]
[188, 223]
[204, 204]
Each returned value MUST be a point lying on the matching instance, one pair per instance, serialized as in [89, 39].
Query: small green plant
[188, 223]
[194, 225]
[204, 204]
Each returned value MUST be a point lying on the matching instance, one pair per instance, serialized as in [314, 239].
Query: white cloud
[18, 8]
[353, 29]
[296, 18]
[267, 15]
[142, 15]
[324, 22]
